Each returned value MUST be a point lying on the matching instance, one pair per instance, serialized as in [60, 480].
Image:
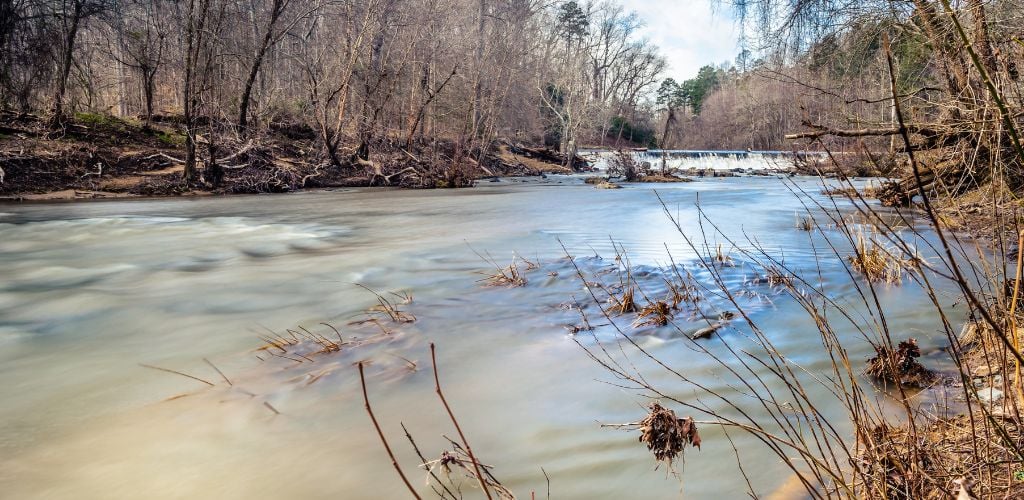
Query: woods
[357, 79]
[363, 78]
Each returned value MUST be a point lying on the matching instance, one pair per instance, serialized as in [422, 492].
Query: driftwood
[545, 154]
[378, 173]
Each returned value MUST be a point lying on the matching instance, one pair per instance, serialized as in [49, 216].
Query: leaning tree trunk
[268, 39]
[243, 106]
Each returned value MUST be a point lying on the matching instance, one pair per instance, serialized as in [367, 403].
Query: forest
[349, 86]
[359, 81]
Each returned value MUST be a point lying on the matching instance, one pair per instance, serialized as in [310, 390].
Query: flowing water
[90, 291]
[748, 161]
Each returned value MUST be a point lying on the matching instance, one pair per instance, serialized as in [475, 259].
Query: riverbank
[970, 444]
[100, 156]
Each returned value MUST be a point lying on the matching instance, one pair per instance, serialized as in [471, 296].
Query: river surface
[91, 291]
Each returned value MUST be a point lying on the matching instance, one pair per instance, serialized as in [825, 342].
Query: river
[91, 291]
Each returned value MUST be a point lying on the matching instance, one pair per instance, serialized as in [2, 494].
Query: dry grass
[387, 308]
[457, 467]
[625, 304]
[876, 262]
[773, 277]
[656, 313]
[722, 257]
[941, 448]
[805, 223]
[776, 277]
[509, 277]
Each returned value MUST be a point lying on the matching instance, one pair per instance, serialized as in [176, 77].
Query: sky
[689, 33]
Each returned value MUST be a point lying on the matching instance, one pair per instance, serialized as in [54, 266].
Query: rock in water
[990, 395]
[706, 331]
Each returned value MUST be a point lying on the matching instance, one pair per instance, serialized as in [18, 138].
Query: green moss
[171, 138]
[98, 119]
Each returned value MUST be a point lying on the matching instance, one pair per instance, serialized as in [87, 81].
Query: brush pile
[932, 463]
[667, 436]
[901, 366]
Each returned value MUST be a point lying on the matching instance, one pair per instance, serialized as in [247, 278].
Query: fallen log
[823, 131]
[546, 155]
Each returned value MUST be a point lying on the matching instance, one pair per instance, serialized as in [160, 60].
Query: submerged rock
[707, 331]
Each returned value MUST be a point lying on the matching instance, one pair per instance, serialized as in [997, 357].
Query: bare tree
[202, 22]
[71, 14]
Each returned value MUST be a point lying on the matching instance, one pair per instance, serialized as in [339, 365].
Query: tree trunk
[58, 118]
[243, 107]
[193, 32]
[148, 89]
[268, 39]
[947, 49]
[669, 121]
[478, 89]
[982, 42]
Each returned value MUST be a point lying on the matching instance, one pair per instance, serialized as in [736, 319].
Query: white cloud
[688, 32]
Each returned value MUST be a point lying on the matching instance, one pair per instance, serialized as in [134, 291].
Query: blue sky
[689, 32]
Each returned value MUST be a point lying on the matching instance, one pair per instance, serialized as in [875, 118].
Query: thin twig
[394, 461]
[458, 428]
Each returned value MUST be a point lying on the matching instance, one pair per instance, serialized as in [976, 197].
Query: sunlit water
[92, 290]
